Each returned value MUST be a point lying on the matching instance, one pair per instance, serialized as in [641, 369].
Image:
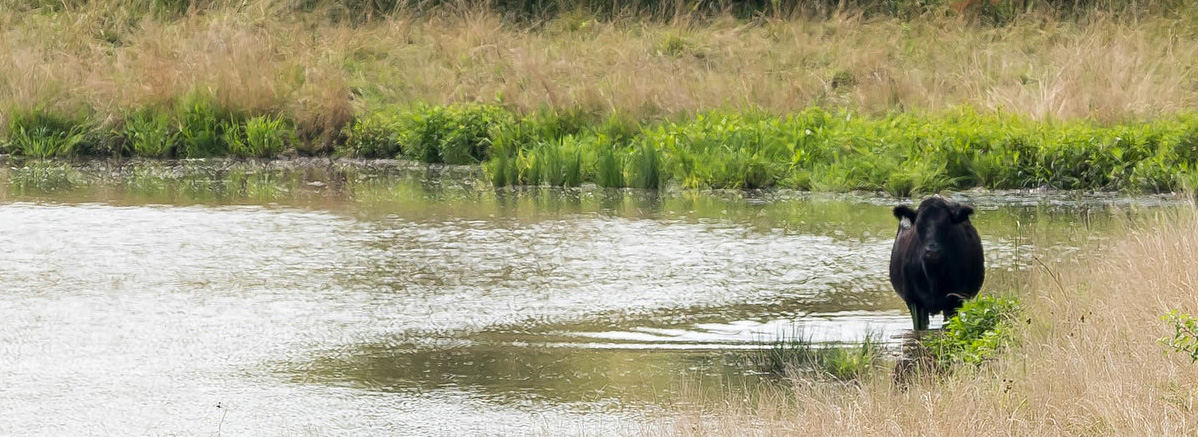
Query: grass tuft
[149, 134]
[41, 134]
[796, 356]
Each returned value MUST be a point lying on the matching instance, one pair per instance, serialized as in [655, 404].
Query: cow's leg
[919, 317]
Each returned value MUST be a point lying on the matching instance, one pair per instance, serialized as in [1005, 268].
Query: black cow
[937, 261]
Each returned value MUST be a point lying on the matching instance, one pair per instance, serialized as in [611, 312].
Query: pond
[322, 298]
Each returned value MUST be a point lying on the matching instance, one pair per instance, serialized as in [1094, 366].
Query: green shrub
[373, 136]
[981, 329]
[458, 134]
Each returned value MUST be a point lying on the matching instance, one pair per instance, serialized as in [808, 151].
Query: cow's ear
[961, 213]
[904, 212]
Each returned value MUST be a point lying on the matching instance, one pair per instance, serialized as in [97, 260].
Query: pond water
[315, 298]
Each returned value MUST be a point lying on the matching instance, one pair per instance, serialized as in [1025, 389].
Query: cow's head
[934, 216]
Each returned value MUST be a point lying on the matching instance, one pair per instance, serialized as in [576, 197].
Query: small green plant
[148, 133]
[981, 329]
[42, 142]
[550, 156]
[675, 46]
[573, 167]
[260, 137]
[265, 137]
[852, 362]
[530, 167]
[199, 128]
[1185, 334]
[502, 171]
[648, 167]
[232, 134]
[39, 134]
[609, 167]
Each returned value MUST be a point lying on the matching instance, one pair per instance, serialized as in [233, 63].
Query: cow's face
[936, 215]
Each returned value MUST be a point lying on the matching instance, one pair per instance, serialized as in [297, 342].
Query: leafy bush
[373, 136]
[981, 328]
[458, 134]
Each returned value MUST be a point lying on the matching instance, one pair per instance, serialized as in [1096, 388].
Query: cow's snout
[932, 251]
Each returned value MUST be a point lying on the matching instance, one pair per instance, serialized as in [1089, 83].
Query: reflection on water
[598, 379]
[338, 298]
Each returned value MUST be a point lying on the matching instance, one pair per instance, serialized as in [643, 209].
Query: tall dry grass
[1089, 362]
[261, 57]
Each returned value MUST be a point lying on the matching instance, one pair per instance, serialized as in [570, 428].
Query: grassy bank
[816, 149]
[658, 93]
[1091, 359]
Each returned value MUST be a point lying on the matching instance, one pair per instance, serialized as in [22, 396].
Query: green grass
[150, 134]
[903, 154]
[41, 134]
[794, 354]
[258, 137]
[198, 121]
[374, 136]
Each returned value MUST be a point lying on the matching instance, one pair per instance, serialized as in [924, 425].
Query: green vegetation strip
[981, 330]
[816, 149]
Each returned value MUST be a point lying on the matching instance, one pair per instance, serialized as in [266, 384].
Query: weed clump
[796, 355]
[456, 134]
[43, 134]
[981, 329]
[198, 121]
[149, 134]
